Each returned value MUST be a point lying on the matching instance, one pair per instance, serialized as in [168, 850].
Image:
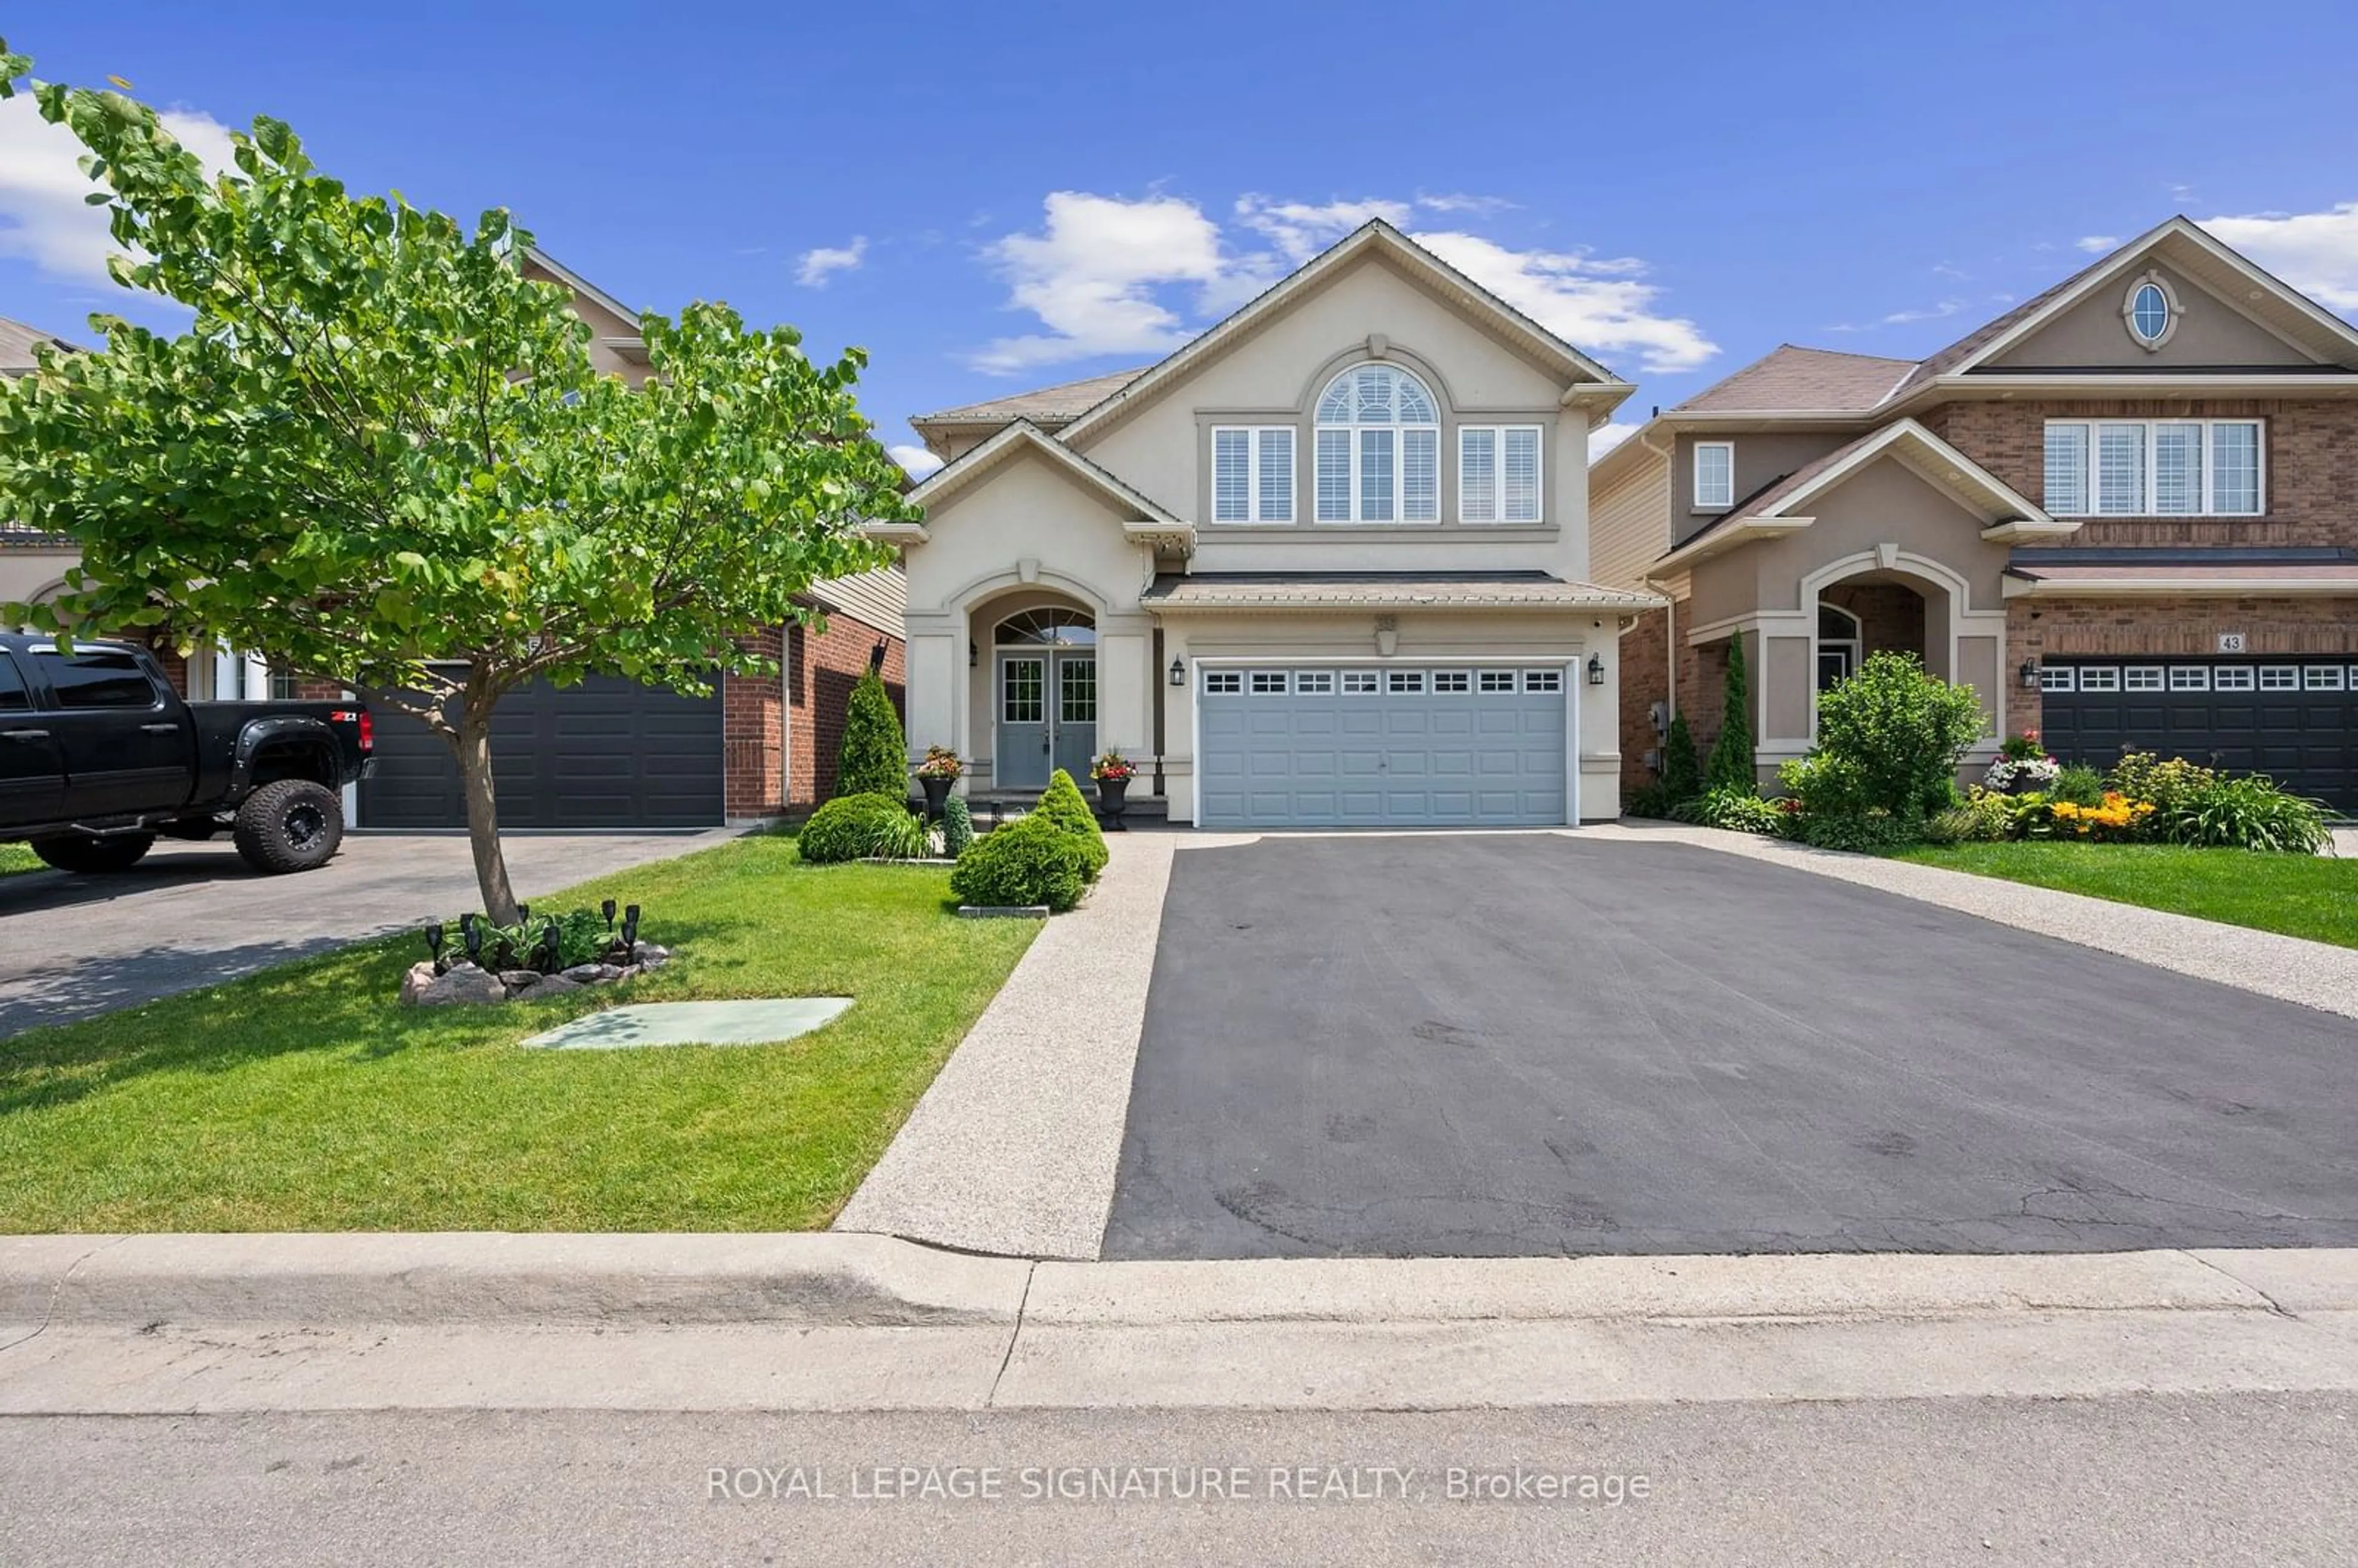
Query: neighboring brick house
[609, 753]
[2122, 512]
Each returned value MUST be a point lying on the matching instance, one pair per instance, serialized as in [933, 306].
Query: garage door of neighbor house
[2294, 720]
[606, 753]
[1424, 746]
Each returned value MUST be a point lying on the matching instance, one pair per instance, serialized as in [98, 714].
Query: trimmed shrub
[1062, 805]
[1861, 834]
[851, 826]
[1682, 770]
[1649, 800]
[1731, 764]
[1903, 730]
[1030, 861]
[957, 827]
[875, 757]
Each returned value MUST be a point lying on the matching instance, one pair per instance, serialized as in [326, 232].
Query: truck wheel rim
[305, 824]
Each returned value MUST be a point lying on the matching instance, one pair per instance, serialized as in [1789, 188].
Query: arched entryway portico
[1033, 697]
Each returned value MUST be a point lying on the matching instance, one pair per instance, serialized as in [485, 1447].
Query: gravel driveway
[190, 914]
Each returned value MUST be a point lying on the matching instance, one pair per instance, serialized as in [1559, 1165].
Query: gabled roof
[1791, 378]
[1142, 521]
[1046, 406]
[1779, 508]
[1374, 236]
[2274, 303]
[577, 283]
[17, 342]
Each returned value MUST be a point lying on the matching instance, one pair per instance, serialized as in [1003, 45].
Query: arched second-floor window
[1378, 451]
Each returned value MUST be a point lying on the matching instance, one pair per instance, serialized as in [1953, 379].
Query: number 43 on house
[2231, 641]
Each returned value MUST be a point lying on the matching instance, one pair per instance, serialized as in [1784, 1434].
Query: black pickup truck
[99, 755]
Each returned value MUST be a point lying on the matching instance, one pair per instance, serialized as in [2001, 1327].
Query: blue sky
[987, 198]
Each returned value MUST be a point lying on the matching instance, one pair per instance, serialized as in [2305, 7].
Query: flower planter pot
[1113, 799]
[936, 791]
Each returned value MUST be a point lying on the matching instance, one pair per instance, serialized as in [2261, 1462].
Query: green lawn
[2314, 896]
[304, 1098]
[15, 858]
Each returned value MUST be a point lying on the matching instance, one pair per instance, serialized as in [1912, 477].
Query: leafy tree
[1901, 733]
[379, 454]
[1681, 771]
[1731, 765]
[874, 756]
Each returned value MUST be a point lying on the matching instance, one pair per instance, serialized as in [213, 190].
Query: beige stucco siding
[2210, 333]
[27, 575]
[1274, 373]
[1762, 457]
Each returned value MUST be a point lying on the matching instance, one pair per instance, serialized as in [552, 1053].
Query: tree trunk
[474, 745]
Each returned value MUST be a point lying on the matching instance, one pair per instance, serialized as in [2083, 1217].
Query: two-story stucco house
[1325, 565]
[2122, 512]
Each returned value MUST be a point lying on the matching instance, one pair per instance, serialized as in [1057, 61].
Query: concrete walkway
[162, 1325]
[2313, 974]
[1014, 1147]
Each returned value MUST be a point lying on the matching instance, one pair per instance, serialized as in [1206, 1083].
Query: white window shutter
[1478, 474]
[1522, 476]
[1231, 476]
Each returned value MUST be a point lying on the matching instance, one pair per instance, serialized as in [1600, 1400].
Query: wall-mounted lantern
[1178, 671]
[1595, 670]
[2030, 674]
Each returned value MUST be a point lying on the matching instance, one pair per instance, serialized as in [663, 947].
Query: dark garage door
[2293, 719]
[606, 753]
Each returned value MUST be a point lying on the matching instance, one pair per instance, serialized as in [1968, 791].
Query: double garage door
[1424, 746]
[606, 753]
[2293, 719]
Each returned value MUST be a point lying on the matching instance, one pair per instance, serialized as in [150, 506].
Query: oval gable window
[2150, 312]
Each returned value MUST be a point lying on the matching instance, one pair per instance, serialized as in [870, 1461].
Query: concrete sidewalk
[170, 1324]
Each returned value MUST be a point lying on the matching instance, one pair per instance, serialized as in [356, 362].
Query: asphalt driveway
[193, 914]
[1533, 1044]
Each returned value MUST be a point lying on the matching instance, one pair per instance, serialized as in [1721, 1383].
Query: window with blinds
[1378, 448]
[1498, 473]
[1252, 473]
[2153, 468]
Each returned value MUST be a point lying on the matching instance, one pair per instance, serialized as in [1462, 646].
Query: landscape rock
[413, 984]
[590, 974]
[647, 954]
[521, 980]
[465, 984]
[553, 984]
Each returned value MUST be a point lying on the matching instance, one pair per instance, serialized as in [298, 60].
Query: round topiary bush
[850, 826]
[1029, 862]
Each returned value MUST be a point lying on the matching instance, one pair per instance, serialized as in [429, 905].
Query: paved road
[1533, 1044]
[2223, 1480]
[191, 915]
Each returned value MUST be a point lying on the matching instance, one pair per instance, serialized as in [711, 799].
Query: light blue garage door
[1433, 746]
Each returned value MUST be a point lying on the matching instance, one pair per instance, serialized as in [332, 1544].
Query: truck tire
[293, 824]
[93, 852]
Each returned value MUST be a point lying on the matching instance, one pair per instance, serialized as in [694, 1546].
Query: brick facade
[2177, 626]
[2309, 464]
[823, 667]
[1645, 663]
[1891, 617]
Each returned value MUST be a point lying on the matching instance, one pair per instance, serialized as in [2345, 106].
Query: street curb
[836, 1280]
[814, 1279]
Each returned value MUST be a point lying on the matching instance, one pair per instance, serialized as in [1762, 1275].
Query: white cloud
[2096, 244]
[825, 261]
[1301, 229]
[1606, 436]
[1108, 276]
[915, 460]
[42, 187]
[1902, 317]
[1459, 201]
[2317, 253]
[1090, 278]
[1603, 307]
